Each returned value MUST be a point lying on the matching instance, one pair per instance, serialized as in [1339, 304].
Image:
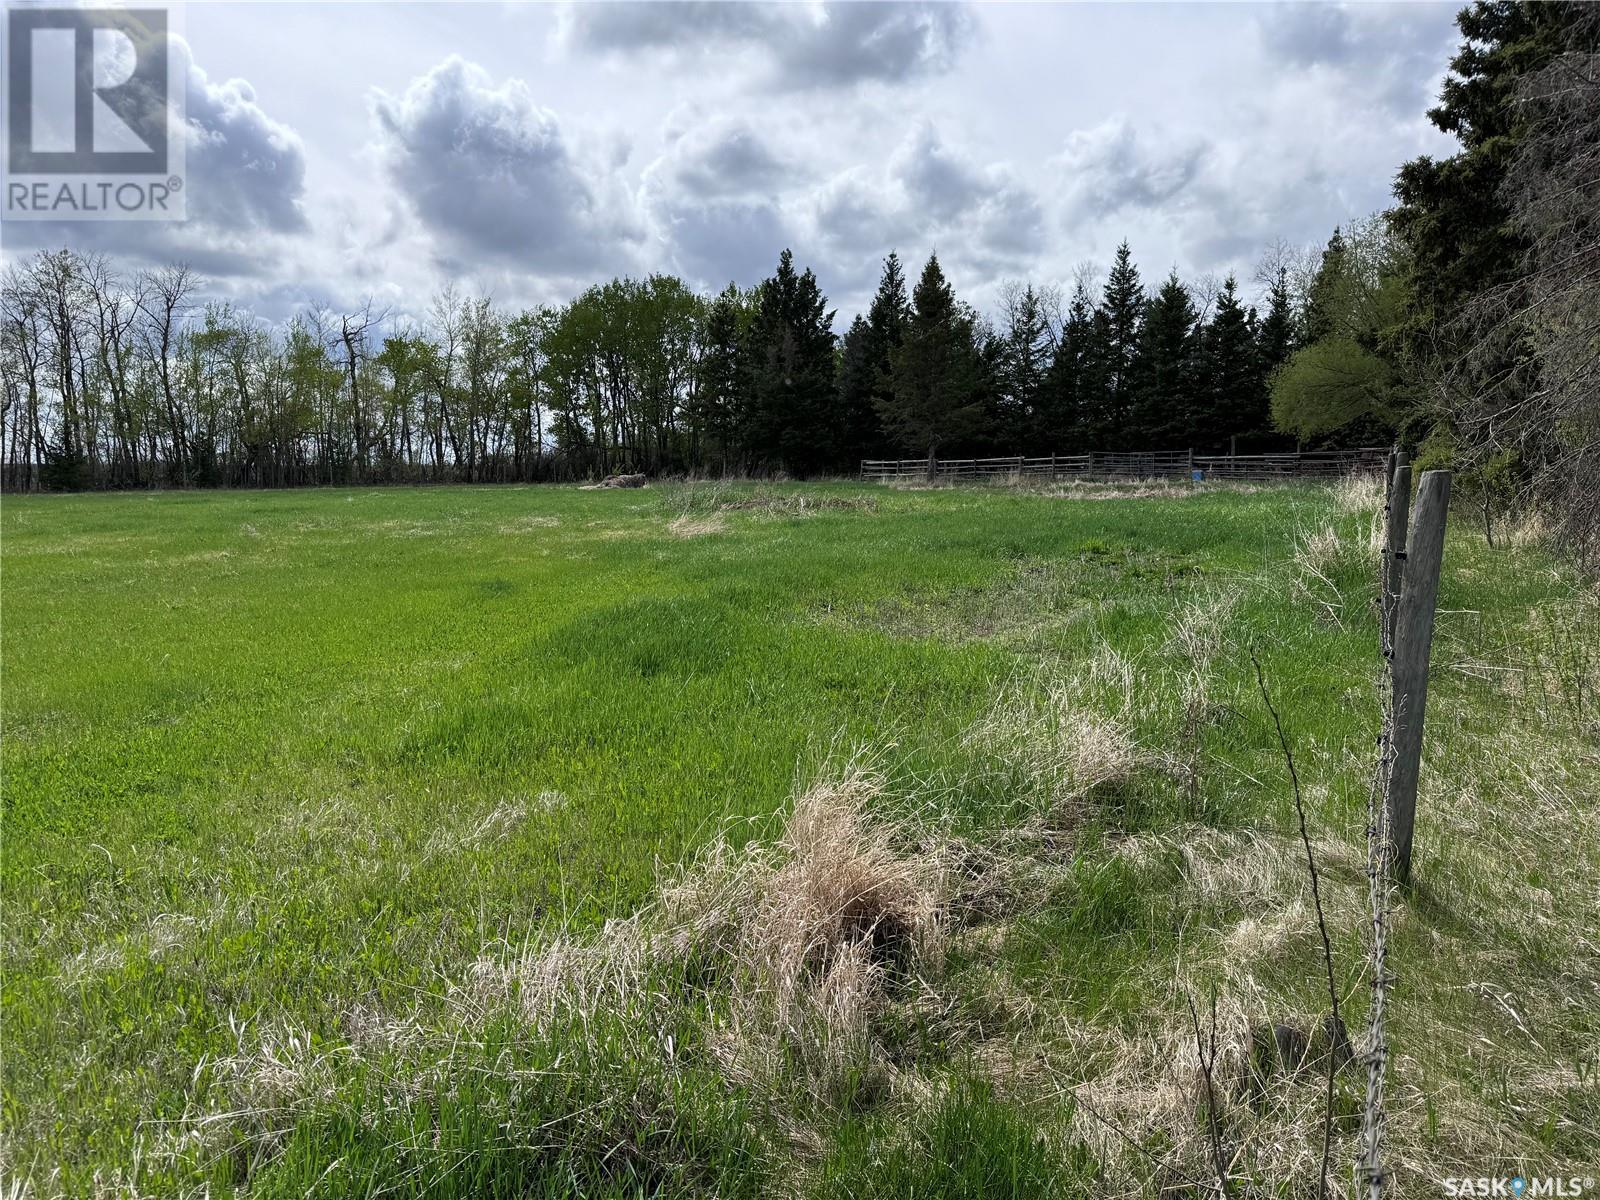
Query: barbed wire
[1380, 887]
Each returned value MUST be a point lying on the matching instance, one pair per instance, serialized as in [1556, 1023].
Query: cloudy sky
[340, 151]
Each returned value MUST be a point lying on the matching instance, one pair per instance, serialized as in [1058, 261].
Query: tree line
[122, 380]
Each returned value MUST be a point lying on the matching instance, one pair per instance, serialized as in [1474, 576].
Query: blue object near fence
[1197, 475]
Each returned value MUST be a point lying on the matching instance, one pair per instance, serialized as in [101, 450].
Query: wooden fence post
[1413, 639]
[1397, 505]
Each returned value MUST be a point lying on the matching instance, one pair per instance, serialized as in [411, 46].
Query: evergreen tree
[718, 411]
[1234, 408]
[864, 364]
[935, 399]
[1452, 214]
[887, 317]
[1276, 339]
[1164, 407]
[1060, 422]
[794, 419]
[1327, 285]
[1120, 312]
[1024, 353]
[857, 380]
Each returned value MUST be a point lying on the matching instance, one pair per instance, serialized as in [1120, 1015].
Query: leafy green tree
[401, 364]
[1330, 385]
[1348, 385]
[527, 385]
[664, 328]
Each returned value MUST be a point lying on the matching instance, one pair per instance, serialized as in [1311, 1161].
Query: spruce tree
[719, 412]
[794, 419]
[864, 364]
[1163, 416]
[935, 398]
[1277, 340]
[1327, 285]
[1452, 213]
[857, 380]
[1121, 310]
[1024, 353]
[1234, 399]
[889, 313]
[1060, 421]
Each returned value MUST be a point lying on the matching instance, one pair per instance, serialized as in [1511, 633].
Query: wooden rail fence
[1147, 465]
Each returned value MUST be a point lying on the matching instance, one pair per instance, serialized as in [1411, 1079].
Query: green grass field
[318, 805]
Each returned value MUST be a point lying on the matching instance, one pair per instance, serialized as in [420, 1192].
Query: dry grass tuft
[844, 906]
[688, 526]
[1359, 493]
[1149, 1088]
[804, 939]
[1529, 528]
[1130, 489]
[708, 499]
[1040, 731]
[1316, 559]
[844, 887]
[1259, 879]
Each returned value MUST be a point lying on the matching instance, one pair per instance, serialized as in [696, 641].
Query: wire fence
[1370, 1174]
[1178, 464]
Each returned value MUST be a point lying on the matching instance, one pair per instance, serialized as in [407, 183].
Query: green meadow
[479, 842]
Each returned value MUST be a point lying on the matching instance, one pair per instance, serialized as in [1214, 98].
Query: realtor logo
[92, 112]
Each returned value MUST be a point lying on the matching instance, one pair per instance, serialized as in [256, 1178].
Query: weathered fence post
[1413, 639]
[1397, 505]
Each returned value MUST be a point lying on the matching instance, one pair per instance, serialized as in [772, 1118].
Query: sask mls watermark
[1521, 1187]
[94, 126]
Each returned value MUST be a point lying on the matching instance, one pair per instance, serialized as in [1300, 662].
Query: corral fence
[1179, 464]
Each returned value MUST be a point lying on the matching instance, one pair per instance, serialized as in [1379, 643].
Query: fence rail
[1138, 465]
